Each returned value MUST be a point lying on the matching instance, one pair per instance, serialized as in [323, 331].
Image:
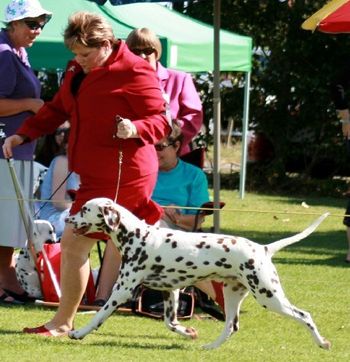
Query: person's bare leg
[109, 271]
[206, 287]
[8, 278]
[348, 237]
[75, 270]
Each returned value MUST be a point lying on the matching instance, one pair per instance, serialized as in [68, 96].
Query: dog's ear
[111, 217]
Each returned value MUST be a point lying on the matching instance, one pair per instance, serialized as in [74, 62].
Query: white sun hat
[21, 9]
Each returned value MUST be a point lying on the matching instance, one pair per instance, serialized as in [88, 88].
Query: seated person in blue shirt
[178, 184]
[182, 184]
[56, 189]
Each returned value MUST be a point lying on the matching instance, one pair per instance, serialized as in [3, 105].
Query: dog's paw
[75, 334]
[326, 344]
[191, 332]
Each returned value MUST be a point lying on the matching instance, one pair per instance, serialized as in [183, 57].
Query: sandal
[8, 300]
[43, 331]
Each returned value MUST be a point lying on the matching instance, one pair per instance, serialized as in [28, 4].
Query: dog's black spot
[157, 268]
[138, 233]
[235, 324]
[206, 262]
[189, 263]
[249, 264]
[158, 258]
[171, 270]
[178, 259]
[174, 244]
[143, 257]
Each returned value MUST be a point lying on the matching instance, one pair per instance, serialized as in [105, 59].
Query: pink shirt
[185, 104]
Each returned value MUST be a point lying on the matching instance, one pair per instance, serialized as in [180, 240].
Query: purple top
[17, 80]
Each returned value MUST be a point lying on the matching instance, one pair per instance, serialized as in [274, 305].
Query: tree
[291, 77]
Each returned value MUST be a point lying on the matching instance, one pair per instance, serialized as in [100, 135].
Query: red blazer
[126, 86]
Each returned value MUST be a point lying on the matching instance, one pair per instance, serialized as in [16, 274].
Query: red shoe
[40, 331]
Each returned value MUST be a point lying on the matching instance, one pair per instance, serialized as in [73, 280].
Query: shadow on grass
[117, 343]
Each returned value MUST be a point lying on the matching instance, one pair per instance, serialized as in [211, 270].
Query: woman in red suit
[115, 106]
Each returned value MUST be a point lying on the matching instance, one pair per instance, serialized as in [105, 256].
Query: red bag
[53, 252]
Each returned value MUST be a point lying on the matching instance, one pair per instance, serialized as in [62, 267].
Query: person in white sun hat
[19, 98]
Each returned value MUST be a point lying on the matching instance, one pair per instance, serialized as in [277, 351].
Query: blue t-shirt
[184, 185]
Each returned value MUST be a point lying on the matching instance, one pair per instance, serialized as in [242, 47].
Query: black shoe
[23, 298]
[99, 302]
[6, 299]
[208, 305]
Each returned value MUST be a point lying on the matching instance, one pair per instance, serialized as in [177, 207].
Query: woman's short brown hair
[88, 29]
[144, 38]
[175, 134]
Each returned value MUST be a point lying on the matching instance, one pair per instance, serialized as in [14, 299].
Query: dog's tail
[280, 244]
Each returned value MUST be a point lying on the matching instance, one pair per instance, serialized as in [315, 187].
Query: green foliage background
[297, 71]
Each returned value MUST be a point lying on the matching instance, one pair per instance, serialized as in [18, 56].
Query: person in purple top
[19, 98]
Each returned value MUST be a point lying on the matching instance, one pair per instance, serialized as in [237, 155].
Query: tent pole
[217, 115]
[242, 176]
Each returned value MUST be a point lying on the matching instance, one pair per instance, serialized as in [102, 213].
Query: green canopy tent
[188, 44]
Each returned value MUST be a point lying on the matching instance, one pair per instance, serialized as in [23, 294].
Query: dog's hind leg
[282, 306]
[234, 294]
[119, 296]
[171, 303]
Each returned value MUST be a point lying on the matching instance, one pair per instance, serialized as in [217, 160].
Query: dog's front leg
[119, 296]
[171, 303]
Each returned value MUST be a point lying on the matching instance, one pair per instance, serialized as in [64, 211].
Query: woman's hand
[126, 129]
[172, 214]
[346, 130]
[10, 143]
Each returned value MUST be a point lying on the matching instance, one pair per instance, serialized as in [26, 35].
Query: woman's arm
[9, 107]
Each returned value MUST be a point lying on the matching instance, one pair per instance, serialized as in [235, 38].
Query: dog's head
[43, 232]
[96, 215]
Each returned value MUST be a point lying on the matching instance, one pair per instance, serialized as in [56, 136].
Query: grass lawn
[313, 273]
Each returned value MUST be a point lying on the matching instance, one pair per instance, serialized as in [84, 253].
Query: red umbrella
[334, 17]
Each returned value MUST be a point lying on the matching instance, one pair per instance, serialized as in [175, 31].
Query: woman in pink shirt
[184, 101]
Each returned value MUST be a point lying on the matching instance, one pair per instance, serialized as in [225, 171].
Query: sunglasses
[59, 131]
[162, 146]
[145, 51]
[34, 25]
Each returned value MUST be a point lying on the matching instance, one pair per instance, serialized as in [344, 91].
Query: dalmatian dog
[27, 275]
[167, 259]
